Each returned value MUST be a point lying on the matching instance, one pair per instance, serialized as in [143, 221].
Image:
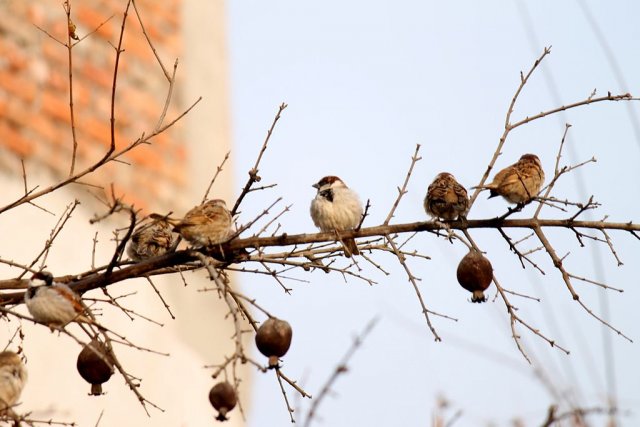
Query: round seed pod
[95, 365]
[223, 398]
[475, 274]
[273, 339]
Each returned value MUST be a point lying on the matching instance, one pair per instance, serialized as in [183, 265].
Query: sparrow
[446, 198]
[150, 240]
[205, 225]
[13, 376]
[53, 304]
[336, 208]
[518, 183]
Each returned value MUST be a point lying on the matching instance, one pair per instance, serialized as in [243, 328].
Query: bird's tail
[492, 190]
[350, 247]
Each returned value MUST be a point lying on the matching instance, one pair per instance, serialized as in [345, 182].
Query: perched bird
[13, 376]
[520, 182]
[446, 198]
[53, 304]
[150, 240]
[205, 225]
[336, 208]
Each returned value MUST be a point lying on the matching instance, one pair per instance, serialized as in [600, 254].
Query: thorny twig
[218, 170]
[253, 173]
[557, 262]
[340, 369]
[403, 190]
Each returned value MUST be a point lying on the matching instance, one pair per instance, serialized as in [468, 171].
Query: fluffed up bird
[13, 376]
[53, 304]
[207, 224]
[518, 183]
[446, 198]
[150, 240]
[336, 208]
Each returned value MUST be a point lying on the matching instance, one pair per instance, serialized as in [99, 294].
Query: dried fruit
[223, 398]
[273, 339]
[475, 274]
[95, 365]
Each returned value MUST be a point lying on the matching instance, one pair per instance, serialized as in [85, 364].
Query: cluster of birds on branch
[335, 208]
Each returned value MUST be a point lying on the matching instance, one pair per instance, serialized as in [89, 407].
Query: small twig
[160, 296]
[218, 170]
[556, 168]
[557, 262]
[340, 369]
[403, 190]
[413, 281]
[153, 49]
[66, 215]
[69, 45]
[253, 173]
[279, 376]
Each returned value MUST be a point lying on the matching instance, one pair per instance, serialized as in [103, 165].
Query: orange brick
[14, 141]
[91, 19]
[99, 130]
[55, 54]
[81, 93]
[14, 84]
[56, 105]
[59, 80]
[180, 153]
[46, 129]
[17, 113]
[98, 75]
[147, 157]
[136, 46]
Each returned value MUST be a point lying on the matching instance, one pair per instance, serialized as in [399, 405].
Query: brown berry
[95, 366]
[223, 398]
[273, 339]
[475, 274]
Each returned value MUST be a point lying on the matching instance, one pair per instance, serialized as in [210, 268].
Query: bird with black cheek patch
[53, 304]
[518, 183]
[336, 208]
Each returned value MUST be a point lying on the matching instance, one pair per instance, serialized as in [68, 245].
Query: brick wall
[34, 94]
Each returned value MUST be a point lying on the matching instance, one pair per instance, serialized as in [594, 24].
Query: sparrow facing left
[53, 304]
[520, 182]
[150, 240]
[446, 198]
[13, 376]
[336, 208]
[205, 225]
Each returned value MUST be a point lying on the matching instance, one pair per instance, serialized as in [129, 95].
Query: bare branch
[253, 173]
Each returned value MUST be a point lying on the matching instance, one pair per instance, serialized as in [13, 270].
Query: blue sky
[366, 82]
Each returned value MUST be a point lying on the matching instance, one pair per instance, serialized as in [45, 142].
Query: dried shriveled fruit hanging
[475, 274]
[273, 339]
[223, 398]
[95, 366]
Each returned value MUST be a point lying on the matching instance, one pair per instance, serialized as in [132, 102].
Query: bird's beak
[316, 186]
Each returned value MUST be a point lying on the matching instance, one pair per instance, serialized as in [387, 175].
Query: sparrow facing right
[520, 182]
[13, 376]
[446, 198]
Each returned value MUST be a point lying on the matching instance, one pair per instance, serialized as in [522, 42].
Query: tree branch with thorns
[258, 246]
